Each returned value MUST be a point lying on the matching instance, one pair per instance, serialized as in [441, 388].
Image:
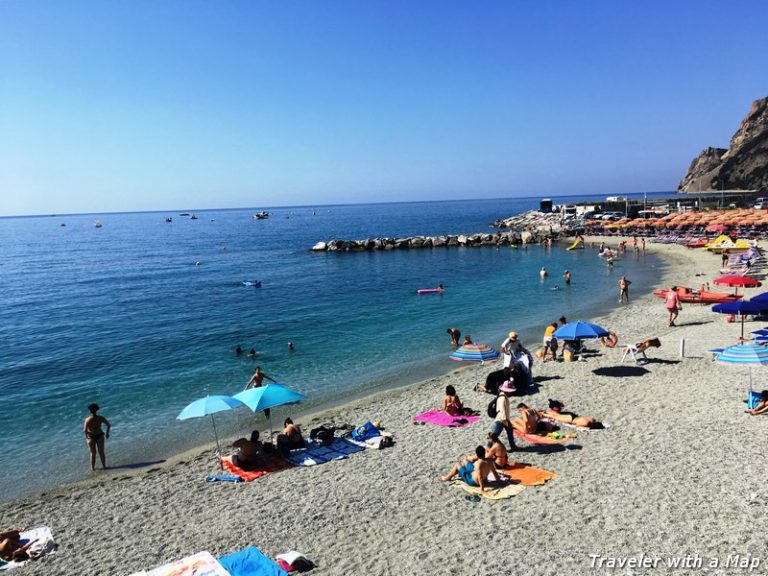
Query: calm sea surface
[122, 315]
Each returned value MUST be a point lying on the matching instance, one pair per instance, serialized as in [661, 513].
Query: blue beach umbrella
[474, 353]
[742, 307]
[208, 406]
[748, 354]
[580, 331]
[269, 396]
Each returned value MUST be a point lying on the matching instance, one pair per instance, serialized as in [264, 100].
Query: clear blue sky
[143, 105]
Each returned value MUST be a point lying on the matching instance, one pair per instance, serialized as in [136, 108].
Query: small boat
[184, 214]
[263, 215]
[437, 290]
[700, 243]
[97, 224]
[690, 296]
[193, 217]
[169, 219]
[252, 283]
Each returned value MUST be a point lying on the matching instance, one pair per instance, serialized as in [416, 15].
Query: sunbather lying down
[650, 343]
[11, 548]
[555, 412]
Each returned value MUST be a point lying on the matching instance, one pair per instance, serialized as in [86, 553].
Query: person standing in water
[94, 435]
[567, 278]
[543, 273]
[455, 336]
[624, 290]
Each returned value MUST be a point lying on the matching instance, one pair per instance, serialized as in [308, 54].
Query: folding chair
[639, 349]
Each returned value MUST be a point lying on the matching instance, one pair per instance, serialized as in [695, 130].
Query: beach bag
[492, 408]
[322, 434]
[367, 430]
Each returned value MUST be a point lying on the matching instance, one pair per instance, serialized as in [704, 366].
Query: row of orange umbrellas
[679, 220]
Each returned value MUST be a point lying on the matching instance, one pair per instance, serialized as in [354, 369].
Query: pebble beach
[675, 485]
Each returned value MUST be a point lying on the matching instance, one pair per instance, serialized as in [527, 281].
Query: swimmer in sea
[543, 272]
[290, 345]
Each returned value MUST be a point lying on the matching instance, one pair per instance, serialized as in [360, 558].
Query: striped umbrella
[474, 353]
[748, 354]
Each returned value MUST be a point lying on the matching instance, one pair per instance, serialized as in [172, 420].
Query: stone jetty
[527, 228]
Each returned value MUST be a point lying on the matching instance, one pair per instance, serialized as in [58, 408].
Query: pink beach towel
[440, 418]
[540, 439]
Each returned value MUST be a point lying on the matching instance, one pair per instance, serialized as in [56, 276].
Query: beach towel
[44, 544]
[440, 418]
[200, 564]
[268, 465]
[527, 475]
[315, 454]
[753, 398]
[540, 438]
[497, 493]
[250, 562]
[224, 478]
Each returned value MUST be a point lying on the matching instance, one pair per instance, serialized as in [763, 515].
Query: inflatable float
[252, 283]
[690, 296]
[577, 244]
[437, 290]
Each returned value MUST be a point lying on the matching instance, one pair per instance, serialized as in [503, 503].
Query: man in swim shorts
[474, 470]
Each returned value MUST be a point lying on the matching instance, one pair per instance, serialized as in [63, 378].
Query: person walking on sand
[672, 303]
[502, 421]
[455, 336]
[94, 435]
[624, 290]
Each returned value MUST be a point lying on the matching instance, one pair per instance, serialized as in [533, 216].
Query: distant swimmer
[238, 351]
[252, 353]
[290, 345]
[555, 287]
[543, 272]
[197, 263]
[567, 278]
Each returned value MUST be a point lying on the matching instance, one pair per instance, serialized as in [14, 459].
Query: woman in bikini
[555, 412]
[497, 451]
[94, 435]
[451, 403]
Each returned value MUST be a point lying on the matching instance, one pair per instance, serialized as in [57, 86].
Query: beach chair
[639, 349]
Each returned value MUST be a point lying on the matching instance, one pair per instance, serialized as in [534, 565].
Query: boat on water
[193, 217]
[97, 224]
[263, 215]
[691, 296]
[169, 219]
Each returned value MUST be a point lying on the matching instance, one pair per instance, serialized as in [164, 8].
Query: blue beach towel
[250, 562]
[752, 399]
[224, 478]
[315, 454]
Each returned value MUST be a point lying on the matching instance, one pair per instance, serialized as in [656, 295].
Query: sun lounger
[440, 418]
[250, 562]
[640, 348]
[44, 544]
[315, 454]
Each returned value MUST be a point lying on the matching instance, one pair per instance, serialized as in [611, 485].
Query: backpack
[322, 435]
[492, 411]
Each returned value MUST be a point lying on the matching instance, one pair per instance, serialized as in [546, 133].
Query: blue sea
[143, 316]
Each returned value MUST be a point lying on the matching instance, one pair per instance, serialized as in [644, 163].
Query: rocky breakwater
[530, 227]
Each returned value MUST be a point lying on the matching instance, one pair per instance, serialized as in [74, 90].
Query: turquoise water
[122, 315]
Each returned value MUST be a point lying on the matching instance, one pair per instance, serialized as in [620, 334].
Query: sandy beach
[678, 474]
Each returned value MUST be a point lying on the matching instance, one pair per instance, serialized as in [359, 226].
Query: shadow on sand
[136, 465]
[620, 371]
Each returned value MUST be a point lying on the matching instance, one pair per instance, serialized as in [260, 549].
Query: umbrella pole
[218, 448]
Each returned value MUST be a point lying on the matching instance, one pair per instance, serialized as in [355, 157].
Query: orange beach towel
[269, 465]
[527, 475]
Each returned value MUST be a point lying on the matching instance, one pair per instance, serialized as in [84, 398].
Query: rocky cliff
[743, 166]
